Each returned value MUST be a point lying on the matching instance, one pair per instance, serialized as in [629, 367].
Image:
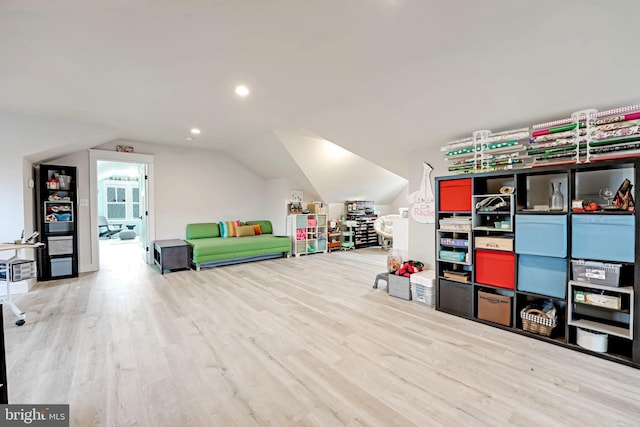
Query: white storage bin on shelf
[455, 223]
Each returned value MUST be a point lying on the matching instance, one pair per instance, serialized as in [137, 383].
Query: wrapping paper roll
[556, 129]
[616, 133]
[619, 118]
[552, 136]
[617, 125]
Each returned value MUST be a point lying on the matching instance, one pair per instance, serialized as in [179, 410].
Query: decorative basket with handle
[537, 322]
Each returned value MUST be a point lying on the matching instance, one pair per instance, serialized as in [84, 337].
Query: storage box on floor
[423, 287]
[399, 286]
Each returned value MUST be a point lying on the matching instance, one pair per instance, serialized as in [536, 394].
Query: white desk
[6, 299]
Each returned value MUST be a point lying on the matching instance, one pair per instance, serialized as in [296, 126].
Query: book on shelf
[458, 275]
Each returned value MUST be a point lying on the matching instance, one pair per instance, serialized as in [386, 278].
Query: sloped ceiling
[339, 175]
[365, 75]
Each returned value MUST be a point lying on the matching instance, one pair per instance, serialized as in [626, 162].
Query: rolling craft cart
[346, 240]
[15, 269]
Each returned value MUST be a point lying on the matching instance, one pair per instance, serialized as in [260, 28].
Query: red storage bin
[455, 195]
[495, 268]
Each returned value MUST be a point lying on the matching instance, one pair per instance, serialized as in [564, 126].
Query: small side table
[171, 254]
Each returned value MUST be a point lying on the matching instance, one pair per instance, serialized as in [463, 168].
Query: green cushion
[217, 248]
[203, 230]
[265, 226]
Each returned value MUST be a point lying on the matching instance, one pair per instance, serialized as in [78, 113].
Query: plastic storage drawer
[455, 195]
[454, 298]
[603, 237]
[544, 235]
[19, 270]
[602, 273]
[495, 268]
[423, 287]
[542, 275]
[494, 308]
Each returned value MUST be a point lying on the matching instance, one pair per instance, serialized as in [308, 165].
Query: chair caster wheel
[20, 322]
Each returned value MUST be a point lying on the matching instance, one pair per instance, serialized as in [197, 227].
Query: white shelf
[504, 230]
[453, 262]
[603, 327]
[619, 331]
[620, 290]
[315, 236]
[507, 211]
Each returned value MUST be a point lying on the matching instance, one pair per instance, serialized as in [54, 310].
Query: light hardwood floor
[290, 342]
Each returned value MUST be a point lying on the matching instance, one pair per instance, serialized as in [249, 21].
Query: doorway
[120, 220]
[121, 208]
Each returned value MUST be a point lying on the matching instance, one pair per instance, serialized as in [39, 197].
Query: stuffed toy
[409, 267]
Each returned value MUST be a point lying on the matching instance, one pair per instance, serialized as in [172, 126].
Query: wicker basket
[537, 322]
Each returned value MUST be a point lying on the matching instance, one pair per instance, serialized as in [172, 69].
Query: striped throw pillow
[228, 229]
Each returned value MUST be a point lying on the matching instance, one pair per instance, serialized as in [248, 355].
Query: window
[135, 202]
[116, 203]
[121, 200]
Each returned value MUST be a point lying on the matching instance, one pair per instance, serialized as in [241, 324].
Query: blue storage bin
[603, 237]
[61, 267]
[541, 235]
[542, 275]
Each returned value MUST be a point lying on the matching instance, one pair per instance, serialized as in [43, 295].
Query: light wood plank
[303, 341]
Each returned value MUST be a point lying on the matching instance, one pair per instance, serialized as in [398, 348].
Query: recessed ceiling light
[195, 131]
[242, 90]
[189, 138]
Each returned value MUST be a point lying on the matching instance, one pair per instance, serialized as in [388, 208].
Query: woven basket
[537, 322]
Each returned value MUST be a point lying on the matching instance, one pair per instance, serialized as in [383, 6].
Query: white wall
[24, 139]
[11, 195]
[335, 210]
[400, 201]
[276, 194]
[193, 185]
[422, 236]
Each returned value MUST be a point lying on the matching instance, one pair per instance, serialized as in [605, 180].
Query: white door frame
[121, 157]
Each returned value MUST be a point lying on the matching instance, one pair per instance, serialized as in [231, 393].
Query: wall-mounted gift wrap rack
[588, 135]
[486, 151]
[616, 134]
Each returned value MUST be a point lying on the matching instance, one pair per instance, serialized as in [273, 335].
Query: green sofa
[209, 249]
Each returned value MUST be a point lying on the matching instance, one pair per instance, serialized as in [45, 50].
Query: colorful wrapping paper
[617, 125]
[613, 148]
[616, 133]
[554, 136]
[535, 149]
[556, 129]
[618, 118]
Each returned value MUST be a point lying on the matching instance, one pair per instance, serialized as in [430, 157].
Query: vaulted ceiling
[379, 78]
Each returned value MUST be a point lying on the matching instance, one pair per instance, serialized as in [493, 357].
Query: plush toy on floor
[409, 267]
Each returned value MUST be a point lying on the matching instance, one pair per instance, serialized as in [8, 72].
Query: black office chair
[105, 229]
